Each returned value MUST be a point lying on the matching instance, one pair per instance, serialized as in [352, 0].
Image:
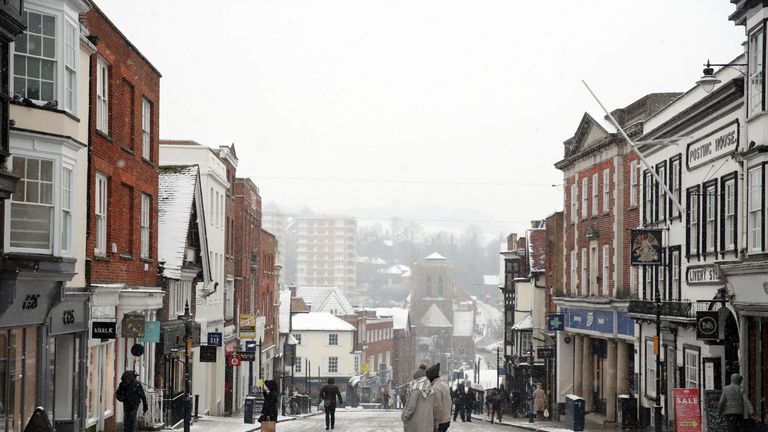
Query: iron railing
[153, 418]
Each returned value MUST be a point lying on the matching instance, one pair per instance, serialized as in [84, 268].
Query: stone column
[622, 367]
[588, 381]
[577, 364]
[610, 382]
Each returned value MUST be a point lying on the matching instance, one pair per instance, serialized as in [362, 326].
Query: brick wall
[117, 155]
[266, 297]
[247, 232]
[554, 260]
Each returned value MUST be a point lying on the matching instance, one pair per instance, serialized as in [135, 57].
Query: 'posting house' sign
[719, 143]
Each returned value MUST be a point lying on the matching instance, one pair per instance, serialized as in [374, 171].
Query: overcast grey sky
[470, 100]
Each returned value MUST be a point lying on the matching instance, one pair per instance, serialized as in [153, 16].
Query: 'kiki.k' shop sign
[103, 329]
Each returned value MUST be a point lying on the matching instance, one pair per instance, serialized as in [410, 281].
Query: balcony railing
[672, 309]
[153, 418]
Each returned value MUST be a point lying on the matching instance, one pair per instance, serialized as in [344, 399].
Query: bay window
[46, 52]
[32, 205]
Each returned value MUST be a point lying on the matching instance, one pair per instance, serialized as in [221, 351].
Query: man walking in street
[328, 395]
[130, 393]
[442, 415]
[458, 402]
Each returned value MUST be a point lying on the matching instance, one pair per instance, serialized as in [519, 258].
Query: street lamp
[708, 81]
[187, 381]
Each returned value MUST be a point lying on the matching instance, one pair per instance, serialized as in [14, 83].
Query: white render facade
[209, 377]
[700, 134]
[327, 253]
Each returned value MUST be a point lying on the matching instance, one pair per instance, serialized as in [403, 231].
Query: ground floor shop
[595, 358]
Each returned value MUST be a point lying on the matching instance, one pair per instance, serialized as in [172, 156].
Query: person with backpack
[130, 393]
[328, 395]
[268, 416]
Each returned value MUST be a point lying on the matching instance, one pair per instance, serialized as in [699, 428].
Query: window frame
[55, 80]
[333, 339]
[756, 73]
[661, 198]
[574, 202]
[650, 366]
[729, 208]
[648, 198]
[694, 367]
[633, 183]
[674, 256]
[692, 235]
[710, 223]
[606, 269]
[145, 226]
[146, 129]
[606, 191]
[67, 204]
[102, 95]
[101, 211]
[53, 207]
[595, 194]
[584, 281]
[333, 364]
[756, 215]
[584, 195]
[676, 181]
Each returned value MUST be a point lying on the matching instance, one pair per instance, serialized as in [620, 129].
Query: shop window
[101, 388]
[18, 376]
[691, 368]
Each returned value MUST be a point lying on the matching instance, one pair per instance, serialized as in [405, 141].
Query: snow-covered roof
[491, 280]
[371, 260]
[388, 243]
[176, 193]
[399, 316]
[434, 318]
[399, 269]
[325, 299]
[285, 311]
[537, 248]
[319, 321]
[463, 322]
[435, 257]
[524, 324]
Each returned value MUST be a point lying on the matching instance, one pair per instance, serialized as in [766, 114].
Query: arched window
[440, 286]
[428, 287]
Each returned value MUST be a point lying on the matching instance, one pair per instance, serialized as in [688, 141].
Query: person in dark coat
[328, 395]
[130, 393]
[268, 416]
[458, 402]
[469, 403]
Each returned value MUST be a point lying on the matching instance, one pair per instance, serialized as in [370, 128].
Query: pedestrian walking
[442, 412]
[469, 403]
[539, 402]
[130, 393]
[458, 402]
[418, 413]
[385, 399]
[734, 405]
[328, 395]
[268, 418]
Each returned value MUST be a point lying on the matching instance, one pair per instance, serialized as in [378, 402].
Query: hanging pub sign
[646, 247]
[708, 325]
[207, 354]
[132, 326]
[103, 329]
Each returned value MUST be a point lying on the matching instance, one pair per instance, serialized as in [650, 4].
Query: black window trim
[733, 176]
[673, 213]
[659, 189]
[704, 250]
[693, 190]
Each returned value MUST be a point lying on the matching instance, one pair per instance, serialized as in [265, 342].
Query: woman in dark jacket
[269, 410]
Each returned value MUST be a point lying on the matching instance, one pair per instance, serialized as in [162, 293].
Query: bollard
[197, 406]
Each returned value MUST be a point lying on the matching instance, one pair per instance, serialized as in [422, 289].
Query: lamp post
[511, 267]
[187, 381]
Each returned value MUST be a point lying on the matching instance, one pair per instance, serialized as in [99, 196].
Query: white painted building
[324, 350]
[209, 377]
[691, 146]
[327, 253]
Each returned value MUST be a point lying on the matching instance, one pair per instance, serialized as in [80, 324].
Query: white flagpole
[637, 152]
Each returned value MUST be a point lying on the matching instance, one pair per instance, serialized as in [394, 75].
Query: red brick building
[266, 299]
[121, 245]
[247, 232]
[600, 210]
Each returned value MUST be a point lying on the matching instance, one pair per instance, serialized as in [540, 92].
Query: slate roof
[321, 298]
[319, 321]
[434, 318]
[176, 193]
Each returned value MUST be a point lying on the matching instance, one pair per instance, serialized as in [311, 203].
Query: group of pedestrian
[463, 402]
[427, 402]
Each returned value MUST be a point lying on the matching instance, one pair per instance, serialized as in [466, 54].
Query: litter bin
[574, 413]
[627, 411]
[248, 409]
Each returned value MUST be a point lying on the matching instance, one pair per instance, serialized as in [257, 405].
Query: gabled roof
[435, 257]
[434, 318]
[589, 132]
[178, 191]
[524, 324]
[319, 321]
[322, 299]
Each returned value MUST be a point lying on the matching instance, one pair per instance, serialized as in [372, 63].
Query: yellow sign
[364, 367]
[261, 383]
[247, 326]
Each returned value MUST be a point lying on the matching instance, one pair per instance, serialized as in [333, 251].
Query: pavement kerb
[526, 426]
[285, 419]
